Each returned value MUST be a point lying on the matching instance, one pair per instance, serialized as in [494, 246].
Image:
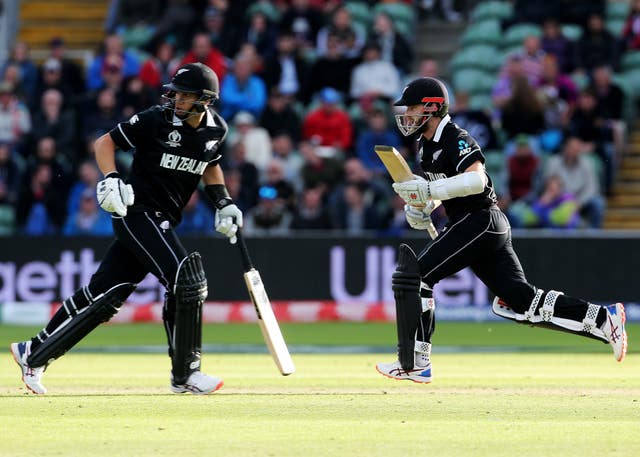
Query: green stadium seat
[491, 10]
[617, 10]
[516, 34]
[7, 220]
[580, 80]
[571, 31]
[360, 12]
[632, 77]
[267, 8]
[485, 32]
[473, 81]
[615, 26]
[398, 11]
[628, 106]
[482, 57]
[630, 60]
[482, 102]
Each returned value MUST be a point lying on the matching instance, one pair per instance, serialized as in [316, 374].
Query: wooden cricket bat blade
[397, 167]
[268, 323]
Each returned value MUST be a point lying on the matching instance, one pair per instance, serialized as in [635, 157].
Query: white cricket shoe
[30, 376]
[394, 370]
[198, 383]
[614, 330]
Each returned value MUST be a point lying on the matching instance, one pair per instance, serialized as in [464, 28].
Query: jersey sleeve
[127, 135]
[463, 150]
[217, 144]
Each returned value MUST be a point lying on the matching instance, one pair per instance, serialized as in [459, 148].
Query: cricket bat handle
[247, 264]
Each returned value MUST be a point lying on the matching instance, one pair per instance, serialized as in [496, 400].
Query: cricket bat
[400, 171]
[267, 320]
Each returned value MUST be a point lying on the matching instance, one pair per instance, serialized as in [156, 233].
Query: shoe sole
[623, 315]
[403, 379]
[217, 387]
[14, 348]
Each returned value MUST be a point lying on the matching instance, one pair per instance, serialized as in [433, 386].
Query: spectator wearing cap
[256, 139]
[329, 125]
[88, 219]
[28, 70]
[203, 51]
[374, 77]
[394, 47]
[52, 78]
[242, 89]
[287, 72]
[15, 119]
[72, 73]
[113, 49]
[270, 216]
[279, 116]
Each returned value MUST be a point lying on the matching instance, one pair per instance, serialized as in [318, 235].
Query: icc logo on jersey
[174, 139]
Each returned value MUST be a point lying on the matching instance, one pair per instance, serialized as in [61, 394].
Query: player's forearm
[105, 154]
[462, 185]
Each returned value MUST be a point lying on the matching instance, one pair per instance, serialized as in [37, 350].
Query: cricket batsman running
[176, 147]
[477, 235]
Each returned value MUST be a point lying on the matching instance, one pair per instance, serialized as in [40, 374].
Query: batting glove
[419, 218]
[415, 192]
[114, 195]
[227, 221]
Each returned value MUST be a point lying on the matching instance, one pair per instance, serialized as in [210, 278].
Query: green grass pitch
[548, 394]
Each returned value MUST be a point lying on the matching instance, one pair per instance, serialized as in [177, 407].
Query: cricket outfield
[545, 394]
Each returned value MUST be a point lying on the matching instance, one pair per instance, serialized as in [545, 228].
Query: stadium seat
[572, 32]
[615, 26]
[267, 8]
[481, 57]
[630, 60]
[491, 10]
[360, 12]
[516, 34]
[632, 77]
[580, 80]
[485, 32]
[628, 106]
[617, 10]
[482, 102]
[398, 11]
[473, 81]
[7, 220]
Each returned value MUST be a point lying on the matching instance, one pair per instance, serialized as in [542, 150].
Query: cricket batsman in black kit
[477, 235]
[176, 146]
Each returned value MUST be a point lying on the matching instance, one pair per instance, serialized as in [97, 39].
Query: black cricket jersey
[170, 157]
[450, 152]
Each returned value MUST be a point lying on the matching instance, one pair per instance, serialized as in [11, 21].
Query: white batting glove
[114, 195]
[415, 192]
[228, 220]
[419, 218]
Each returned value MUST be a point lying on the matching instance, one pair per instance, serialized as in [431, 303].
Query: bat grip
[247, 264]
[433, 232]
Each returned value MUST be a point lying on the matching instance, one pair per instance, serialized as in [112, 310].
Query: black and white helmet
[193, 78]
[429, 92]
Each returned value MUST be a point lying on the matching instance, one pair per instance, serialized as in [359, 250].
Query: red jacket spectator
[203, 51]
[328, 125]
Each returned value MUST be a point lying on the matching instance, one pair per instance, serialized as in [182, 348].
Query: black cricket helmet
[432, 94]
[194, 78]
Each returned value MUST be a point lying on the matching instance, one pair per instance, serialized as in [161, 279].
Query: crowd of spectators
[306, 90]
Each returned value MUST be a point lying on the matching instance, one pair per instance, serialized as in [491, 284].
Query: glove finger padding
[414, 192]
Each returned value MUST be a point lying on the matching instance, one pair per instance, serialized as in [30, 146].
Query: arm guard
[468, 183]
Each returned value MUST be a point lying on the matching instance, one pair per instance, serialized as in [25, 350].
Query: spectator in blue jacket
[378, 132]
[242, 90]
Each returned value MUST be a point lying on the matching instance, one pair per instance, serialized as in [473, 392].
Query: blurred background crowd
[306, 87]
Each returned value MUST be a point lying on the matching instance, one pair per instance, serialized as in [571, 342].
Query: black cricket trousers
[481, 240]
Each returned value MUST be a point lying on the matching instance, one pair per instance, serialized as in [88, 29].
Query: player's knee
[517, 295]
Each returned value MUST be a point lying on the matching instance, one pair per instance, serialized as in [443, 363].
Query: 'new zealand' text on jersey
[450, 152]
[170, 157]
